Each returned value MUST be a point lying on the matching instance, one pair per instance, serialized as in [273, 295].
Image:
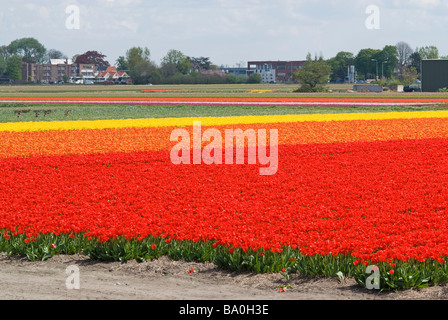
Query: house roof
[111, 73]
[111, 69]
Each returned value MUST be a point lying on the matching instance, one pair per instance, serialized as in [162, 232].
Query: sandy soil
[164, 279]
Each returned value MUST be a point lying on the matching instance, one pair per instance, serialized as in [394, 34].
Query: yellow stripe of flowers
[212, 121]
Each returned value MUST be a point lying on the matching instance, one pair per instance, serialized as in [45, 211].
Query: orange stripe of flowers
[24, 144]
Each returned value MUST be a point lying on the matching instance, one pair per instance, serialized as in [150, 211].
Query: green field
[25, 113]
[21, 112]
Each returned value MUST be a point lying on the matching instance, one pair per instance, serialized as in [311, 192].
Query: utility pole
[382, 69]
[376, 68]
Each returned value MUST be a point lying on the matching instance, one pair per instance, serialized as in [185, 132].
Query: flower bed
[352, 190]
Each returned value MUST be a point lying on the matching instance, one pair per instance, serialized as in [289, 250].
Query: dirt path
[169, 280]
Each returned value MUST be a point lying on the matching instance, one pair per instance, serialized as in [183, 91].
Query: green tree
[200, 64]
[4, 52]
[233, 78]
[179, 60]
[339, 65]
[136, 55]
[141, 69]
[309, 57]
[54, 54]
[313, 76]
[14, 68]
[387, 59]
[29, 49]
[428, 52]
[409, 75]
[364, 64]
[3, 65]
[254, 78]
[415, 61]
[122, 63]
[168, 70]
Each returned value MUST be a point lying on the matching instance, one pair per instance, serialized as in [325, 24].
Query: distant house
[112, 74]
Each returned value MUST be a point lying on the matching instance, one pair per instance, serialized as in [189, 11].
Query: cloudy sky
[227, 31]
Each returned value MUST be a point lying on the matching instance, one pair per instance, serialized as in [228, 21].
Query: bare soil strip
[165, 279]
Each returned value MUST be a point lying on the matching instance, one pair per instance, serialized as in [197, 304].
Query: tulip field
[362, 180]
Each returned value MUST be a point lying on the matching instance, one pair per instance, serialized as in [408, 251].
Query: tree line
[397, 62]
[175, 67]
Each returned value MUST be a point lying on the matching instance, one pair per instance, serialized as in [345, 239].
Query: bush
[254, 78]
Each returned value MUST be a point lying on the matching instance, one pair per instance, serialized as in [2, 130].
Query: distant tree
[200, 64]
[4, 52]
[14, 68]
[415, 61]
[178, 59]
[136, 55]
[404, 51]
[29, 49]
[143, 72]
[313, 76]
[168, 70]
[390, 56]
[428, 52]
[339, 65]
[409, 75]
[141, 68]
[364, 64]
[54, 54]
[254, 78]
[3, 65]
[233, 78]
[122, 63]
[92, 57]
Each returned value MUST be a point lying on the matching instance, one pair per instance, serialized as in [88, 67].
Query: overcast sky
[227, 31]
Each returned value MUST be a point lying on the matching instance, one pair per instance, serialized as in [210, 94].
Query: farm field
[361, 180]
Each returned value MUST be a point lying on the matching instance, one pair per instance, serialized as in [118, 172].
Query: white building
[267, 73]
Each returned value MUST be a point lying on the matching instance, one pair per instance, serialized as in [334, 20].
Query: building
[28, 72]
[434, 75]
[112, 74]
[241, 72]
[274, 71]
[57, 70]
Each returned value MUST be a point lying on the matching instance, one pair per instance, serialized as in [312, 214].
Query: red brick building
[56, 71]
